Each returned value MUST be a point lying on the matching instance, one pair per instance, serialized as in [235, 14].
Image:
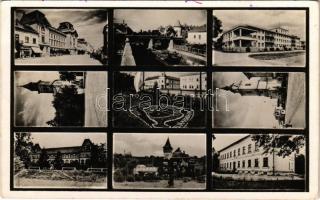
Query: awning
[36, 49]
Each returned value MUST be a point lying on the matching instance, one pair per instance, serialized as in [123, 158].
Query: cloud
[152, 19]
[293, 20]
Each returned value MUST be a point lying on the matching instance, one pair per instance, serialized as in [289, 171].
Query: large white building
[193, 82]
[246, 38]
[197, 35]
[245, 156]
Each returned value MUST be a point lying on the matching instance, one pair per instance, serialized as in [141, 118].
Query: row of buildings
[245, 156]
[192, 82]
[247, 38]
[35, 36]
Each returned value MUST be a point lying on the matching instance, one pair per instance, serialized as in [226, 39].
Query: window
[230, 154]
[26, 39]
[249, 148]
[243, 150]
[239, 152]
[34, 40]
[42, 39]
[199, 37]
[265, 162]
[234, 153]
[42, 29]
[17, 37]
[238, 164]
[249, 163]
[194, 36]
[243, 164]
[256, 162]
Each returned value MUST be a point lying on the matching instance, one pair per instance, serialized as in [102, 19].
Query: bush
[271, 49]
[278, 49]
[118, 176]
[130, 178]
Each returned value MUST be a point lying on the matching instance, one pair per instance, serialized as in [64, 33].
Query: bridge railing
[196, 51]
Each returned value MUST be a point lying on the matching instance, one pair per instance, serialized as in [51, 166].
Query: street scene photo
[53, 99]
[259, 162]
[259, 38]
[159, 99]
[259, 100]
[60, 36]
[160, 37]
[60, 160]
[159, 161]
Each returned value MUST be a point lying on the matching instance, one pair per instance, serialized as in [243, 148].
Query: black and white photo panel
[159, 161]
[159, 37]
[259, 100]
[60, 160]
[60, 99]
[257, 162]
[159, 99]
[54, 36]
[259, 38]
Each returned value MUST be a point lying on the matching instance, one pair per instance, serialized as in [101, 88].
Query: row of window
[237, 165]
[236, 153]
[56, 43]
[57, 37]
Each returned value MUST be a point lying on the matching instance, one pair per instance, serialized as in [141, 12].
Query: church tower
[167, 149]
[40, 86]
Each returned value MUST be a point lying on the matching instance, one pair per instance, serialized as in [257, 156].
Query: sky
[33, 109]
[293, 20]
[89, 23]
[241, 111]
[223, 140]
[152, 19]
[52, 139]
[148, 144]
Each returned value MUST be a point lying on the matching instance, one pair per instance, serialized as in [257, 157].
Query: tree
[23, 147]
[43, 160]
[300, 164]
[215, 160]
[216, 26]
[58, 161]
[171, 32]
[283, 145]
[67, 76]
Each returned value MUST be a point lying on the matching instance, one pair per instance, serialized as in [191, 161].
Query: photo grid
[152, 99]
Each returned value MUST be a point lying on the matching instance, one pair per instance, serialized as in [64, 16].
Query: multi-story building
[26, 41]
[246, 38]
[57, 41]
[71, 36]
[197, 35]
[193, 82]
[245, 156]
[80, 154]
[163, 81]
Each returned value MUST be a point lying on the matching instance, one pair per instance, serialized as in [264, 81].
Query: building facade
[26, 41]
[245, 156]
[71, 36]
[163, 82]
[194, 82]
[80, 154]
[247, 38]
[57, 41]
[197, 35]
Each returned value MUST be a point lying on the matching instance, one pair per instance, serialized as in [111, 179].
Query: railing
[196, 51]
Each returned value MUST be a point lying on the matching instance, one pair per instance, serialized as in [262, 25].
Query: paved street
[62, 60]
[96, 99]
[243, 59]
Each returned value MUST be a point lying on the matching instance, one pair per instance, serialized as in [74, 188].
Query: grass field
[59, 179]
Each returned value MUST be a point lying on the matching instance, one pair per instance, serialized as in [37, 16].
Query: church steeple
[167, 147]
[40, 86]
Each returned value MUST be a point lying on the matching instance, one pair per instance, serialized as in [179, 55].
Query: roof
[202, 28]
[256, 28]
[156, 77]
[63, 150]
[234, 143]
[167, 145]
[25, 27]
[35, 17]
[56, 30]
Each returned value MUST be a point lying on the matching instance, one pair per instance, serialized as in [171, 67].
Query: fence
[196, 51]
